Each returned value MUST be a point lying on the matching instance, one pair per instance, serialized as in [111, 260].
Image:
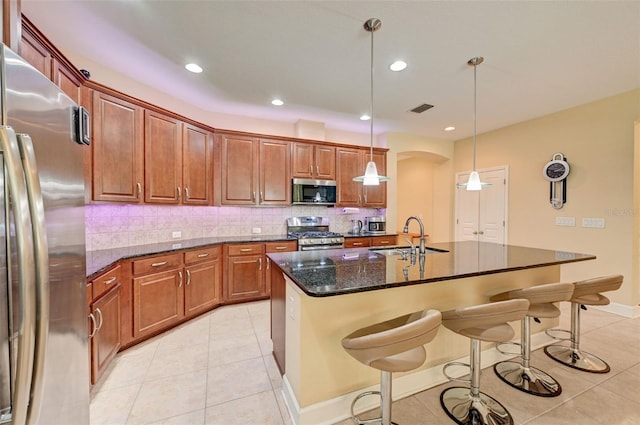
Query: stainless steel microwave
[316, 192]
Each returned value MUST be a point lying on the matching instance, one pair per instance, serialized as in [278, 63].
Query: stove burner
[314, 234]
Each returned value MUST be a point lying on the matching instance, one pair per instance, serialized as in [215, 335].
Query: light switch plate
[565, 221]
[594, 222]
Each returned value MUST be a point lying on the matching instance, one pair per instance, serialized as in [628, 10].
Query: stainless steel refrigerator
[44, 360]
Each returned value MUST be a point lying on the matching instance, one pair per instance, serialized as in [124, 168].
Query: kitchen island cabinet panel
[117, 148]
[163, 159]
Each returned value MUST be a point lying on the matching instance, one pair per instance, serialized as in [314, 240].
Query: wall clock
[556, 171]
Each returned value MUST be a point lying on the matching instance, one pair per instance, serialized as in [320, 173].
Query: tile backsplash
[116, 226]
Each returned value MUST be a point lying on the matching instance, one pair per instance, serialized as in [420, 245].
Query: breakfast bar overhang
[318, 297]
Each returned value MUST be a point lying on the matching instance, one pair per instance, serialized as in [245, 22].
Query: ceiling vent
[421, 108]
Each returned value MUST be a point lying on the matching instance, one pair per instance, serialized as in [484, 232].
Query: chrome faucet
[422, 250]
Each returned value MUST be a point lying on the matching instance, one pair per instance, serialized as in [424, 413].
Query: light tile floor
[218, 369]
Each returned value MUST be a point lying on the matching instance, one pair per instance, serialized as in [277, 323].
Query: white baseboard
[337, 409]
[629, 311]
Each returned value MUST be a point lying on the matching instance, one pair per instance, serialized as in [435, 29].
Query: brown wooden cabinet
[104, 311]
[244, 272]
[162, 159]
[203, 271]
[254, 171]
[197, 160]
[117, 149]
[280, 246]
[311, 161]
[369, 241]
[158, 296]
[350, 163]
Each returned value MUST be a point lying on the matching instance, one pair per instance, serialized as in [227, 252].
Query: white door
[482, 215]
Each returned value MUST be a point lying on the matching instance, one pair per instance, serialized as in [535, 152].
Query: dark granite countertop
[100, 260]
[366, 235]
[342, 271]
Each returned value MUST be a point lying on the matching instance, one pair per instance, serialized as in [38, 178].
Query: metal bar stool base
[464, 410]
[576, 359]
[530, 380]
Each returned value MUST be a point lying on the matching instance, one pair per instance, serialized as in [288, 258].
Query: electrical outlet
[565, 221]
[176, 235]
[597, 223]
[256, 230]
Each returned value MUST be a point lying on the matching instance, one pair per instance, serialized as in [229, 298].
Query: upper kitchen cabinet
[178, 159]
[254, 171]
[162, 159]
[118, 161]
[311, 161]
[197, 159]
[36, 50]
[350, 163]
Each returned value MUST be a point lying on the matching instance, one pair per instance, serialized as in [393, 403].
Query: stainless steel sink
[403, 251]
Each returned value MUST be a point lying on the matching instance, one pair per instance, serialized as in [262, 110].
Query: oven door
[319, 247]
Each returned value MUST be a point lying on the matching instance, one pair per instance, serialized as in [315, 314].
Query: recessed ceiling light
[450, 128]
[398, 66]
[365, 117]
[193, 67]
[277, 102]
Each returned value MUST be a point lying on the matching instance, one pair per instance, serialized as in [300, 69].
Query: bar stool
[395, 345]
[485, 322]
[521, 375]
[585, 292]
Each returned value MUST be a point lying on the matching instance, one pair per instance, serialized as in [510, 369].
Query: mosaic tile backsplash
[116, 226]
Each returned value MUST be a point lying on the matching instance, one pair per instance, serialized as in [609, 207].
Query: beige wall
[598, 141]
[415, 177]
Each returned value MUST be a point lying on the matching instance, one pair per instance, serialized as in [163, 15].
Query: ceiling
[540, 56]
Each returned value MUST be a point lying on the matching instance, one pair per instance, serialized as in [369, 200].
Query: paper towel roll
[348, 210]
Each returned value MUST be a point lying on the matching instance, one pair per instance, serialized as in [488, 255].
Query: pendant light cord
[475, 108]
[371, 123]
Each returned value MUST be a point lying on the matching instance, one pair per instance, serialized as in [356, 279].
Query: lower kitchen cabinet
[204, 274]
[104, 314]
[369, 241]
[158, 296]
[244, 272]
[282, 246]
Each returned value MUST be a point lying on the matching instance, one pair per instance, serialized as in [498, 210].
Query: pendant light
[371, 177]
[474, 182]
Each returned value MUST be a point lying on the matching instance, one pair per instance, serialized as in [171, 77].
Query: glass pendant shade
[474, 181]
[371, 177]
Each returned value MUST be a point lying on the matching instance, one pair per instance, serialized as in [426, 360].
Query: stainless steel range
[313, 233]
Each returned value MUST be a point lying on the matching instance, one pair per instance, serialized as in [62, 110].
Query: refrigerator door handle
[26, 272]
[36, 204]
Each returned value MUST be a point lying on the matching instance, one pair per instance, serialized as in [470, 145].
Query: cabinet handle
[481, 232]
[259, 263]
[206, 254]
[161, 263]
[94, 328]
[279, 248]
[138, 190]
[310, 170]
[261, 197]
[188, 277]
[180, 284]
[357, 243]
[475, 233]
[383, 242]
[110, 281]
[179, 193]
[359, 198]
[101, 321]
[365, 197]
[186, 193]
[246, 249]
[268, 264]
[317, 170]
[254, 197]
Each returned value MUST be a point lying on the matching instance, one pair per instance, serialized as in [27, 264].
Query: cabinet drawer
[157, 264]
[282, 246]
[106, 281]
[200, 255]
[357, 242]
[383, 240]
[246, 249]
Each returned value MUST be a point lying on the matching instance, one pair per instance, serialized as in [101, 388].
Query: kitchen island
[318, 297]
